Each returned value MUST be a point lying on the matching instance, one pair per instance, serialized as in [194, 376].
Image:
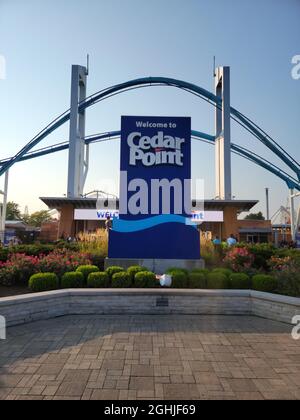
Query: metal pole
[267, 204]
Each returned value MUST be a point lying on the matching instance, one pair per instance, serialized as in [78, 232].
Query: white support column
[3, 209]
[292, 212]
[77, 167]
[295, 219]
[223, 139]
[297, 222]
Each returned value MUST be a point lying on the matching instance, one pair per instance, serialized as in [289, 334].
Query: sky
[127, 39]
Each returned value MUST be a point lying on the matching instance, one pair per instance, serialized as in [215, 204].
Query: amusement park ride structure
[78, 144]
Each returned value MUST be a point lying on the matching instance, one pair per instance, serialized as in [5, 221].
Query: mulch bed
[13, 291]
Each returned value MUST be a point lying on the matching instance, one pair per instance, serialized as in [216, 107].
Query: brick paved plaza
[150, 357]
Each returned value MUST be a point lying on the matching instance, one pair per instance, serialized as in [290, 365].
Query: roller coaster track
[237, 116]
[238, 150]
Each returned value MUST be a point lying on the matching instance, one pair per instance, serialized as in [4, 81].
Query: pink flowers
[239, 259]
[19, 267]
[61, 261]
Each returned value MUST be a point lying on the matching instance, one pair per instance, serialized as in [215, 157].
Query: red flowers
[239, 259]
[19, 267]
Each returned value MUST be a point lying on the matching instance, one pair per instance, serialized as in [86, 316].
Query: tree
[255, 216]
[38, 217]
[13, 211]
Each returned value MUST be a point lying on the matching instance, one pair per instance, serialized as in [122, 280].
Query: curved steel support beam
[240, 151]
[210, 97]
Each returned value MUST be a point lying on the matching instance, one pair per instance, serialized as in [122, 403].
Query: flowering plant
[287, 272]
[62, 261]
[281, 263]
[19, 267]
[239, 259]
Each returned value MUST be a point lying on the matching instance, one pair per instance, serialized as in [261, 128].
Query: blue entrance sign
[155, 191]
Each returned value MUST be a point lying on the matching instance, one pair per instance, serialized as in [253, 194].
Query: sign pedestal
[158, 266]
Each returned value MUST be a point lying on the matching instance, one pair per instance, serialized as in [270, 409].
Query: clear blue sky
[40, 40]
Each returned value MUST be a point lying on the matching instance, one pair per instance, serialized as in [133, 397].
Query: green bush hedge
[113, 270]
[4, 254]
[239, 281]
[226, 271]
[43, 281]
[121, 279]
[98, 279]
[135, 269]
[197, 280]
[177, 269]
[264, 283]
[288, 283]
[32, 249]
[180, 279]
[204, 271]
[145, 279]
[87, 269]
[217, 280]
[72, 279]
[97, 260]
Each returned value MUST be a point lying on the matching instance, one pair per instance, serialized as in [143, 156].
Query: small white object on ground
[165, 280]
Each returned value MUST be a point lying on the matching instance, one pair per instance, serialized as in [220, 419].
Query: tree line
[36, 219]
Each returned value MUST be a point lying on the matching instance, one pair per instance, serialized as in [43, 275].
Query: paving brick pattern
[150, 357]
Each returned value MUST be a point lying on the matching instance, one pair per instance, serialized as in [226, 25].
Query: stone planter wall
[38, 306]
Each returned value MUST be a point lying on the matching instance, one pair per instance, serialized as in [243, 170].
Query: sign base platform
[158, 266]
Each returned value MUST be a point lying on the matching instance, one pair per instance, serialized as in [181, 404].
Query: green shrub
[97, 260]
[43, 281]
[204, 271]
[32, 250]
[98, 279]
[288, 283]
[197, 280]
[177, 269]
[121, 279]
[4, 254]
[145, 279]
[217, 280]
[8, 276]
[135, 269]
[70, 246]
[264, 283]
[226, 271]
[180, 279]
[72, 280]
[239, 281]
[262, 253]
[113, 270]
[87, 269]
